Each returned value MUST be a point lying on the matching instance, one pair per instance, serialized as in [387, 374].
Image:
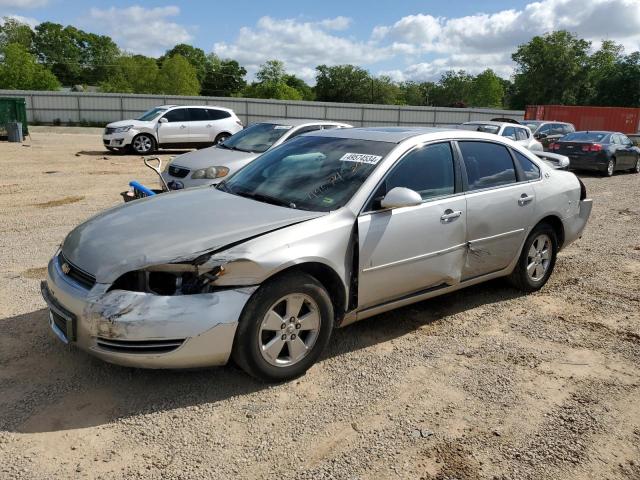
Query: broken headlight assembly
[170, 279]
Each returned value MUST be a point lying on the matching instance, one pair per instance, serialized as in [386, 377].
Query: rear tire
[284, 328]
[537, 259]
[636, 169]
[143, 144]
[610, 168]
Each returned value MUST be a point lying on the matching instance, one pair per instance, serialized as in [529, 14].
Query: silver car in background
[211, 165]
[511, 130]
[329, 228]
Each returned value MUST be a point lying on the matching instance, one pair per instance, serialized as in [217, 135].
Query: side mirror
[401, 197]
[163, 120]
[540, 136]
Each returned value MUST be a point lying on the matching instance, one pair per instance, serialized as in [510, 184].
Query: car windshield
[584, 137]
[257, 138]
[480, 127]
[309, 173]
[531, 125]
[151, 114]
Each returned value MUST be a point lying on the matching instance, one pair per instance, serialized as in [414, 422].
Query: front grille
[178, 172]
[139, 347]
[78, 275]
[109, 130]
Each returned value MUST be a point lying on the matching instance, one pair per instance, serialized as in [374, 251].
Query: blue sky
[407, 40]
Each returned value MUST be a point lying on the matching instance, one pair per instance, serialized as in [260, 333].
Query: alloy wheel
[539, 257]
[289, 330]
[142, 144]
[610, 166]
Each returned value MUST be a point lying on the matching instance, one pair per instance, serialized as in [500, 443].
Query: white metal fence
[73, 107]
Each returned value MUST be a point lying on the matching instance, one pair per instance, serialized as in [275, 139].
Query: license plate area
[62, 322]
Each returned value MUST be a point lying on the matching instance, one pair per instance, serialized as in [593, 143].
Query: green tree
[13, 31]
[343, 83]
[621, 88]
[551, 69]
[74, 56]
[413, 93]
[178, 77]
[486, 90]
[384, 91]
[603, 66]
[223, 78]
[273, 83]
[196, 57]
[453, 89]
[19, 70]
[133, 74]
[306, 92]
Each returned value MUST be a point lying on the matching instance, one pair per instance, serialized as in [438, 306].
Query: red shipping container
[615, 119]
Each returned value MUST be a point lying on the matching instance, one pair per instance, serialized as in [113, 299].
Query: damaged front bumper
[141, 329]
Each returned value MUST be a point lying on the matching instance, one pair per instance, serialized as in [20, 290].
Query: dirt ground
[482, 384]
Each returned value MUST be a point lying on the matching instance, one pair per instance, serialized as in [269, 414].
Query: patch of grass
[61, 201]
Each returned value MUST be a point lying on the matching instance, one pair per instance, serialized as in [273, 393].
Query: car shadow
[102, 153]
[47, 386]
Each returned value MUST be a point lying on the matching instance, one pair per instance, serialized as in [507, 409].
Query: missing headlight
[164, 282]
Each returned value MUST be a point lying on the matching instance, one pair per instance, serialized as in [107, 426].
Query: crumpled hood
[170, 227]
[135, 123]
[214, 157]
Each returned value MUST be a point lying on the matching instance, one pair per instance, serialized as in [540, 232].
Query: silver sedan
[325, 230]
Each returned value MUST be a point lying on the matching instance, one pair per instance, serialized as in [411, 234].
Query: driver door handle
[525, 199]
[449, 215]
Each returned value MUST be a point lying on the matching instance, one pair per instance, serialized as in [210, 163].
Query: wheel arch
[329, 279]
[556, 223]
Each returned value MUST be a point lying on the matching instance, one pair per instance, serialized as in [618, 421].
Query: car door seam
[424, 256]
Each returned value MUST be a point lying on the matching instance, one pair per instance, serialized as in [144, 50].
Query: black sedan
[604, 152]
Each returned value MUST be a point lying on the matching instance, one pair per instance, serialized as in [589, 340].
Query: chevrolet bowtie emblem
[66, 268]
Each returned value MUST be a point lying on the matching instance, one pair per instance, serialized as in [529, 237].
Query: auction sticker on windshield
[283, 127]
[360, 158]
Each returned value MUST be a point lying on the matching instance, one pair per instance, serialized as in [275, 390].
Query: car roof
[400, 134]
[196, 106]
[299, 122]
[604, 132]
[490, 122]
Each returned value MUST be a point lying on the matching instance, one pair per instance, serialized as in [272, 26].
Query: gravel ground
[480, 384]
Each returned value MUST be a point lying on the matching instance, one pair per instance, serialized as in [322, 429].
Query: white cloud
[23, 3]
[300, 45]
[485, 40]
[141, 30]
[32, 22]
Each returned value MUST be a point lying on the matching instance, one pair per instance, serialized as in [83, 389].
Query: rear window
[585, 137]
[479, 127]
[487, 164]
[214, 114]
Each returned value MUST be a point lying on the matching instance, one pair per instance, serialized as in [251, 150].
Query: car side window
[197, 115]
[176, 115]
[427, 170]
[625, 140]
[568, 128]
[309, 128]
[214, 114]
[509, 132]
[545, 129]
[487, 164]
[521, 134]
[530, 169]
[615, 139]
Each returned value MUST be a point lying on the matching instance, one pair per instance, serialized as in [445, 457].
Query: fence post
[246, 111]
[121, 107]
[399, 114]
[361, 115]
[435, 117]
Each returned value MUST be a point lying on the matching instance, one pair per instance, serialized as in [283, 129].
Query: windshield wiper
[265, 198]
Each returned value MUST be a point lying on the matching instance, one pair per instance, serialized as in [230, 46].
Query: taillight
[239, 123]
[595, 147]
[554, 146]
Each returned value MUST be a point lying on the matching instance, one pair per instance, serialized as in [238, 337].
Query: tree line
[555, 68]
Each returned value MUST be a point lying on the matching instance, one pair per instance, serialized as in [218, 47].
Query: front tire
[537, 259]
[284, 328]
[636, 169]
[221, 138]
[143, 144]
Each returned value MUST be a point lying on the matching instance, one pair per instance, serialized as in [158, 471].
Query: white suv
[172, 126]
[515, 131]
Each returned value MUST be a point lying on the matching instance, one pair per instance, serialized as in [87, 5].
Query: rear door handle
[525, 199]
[183, 126]
[449, 215]
[209, 126]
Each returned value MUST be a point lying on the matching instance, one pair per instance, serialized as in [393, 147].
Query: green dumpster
[13, 109]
